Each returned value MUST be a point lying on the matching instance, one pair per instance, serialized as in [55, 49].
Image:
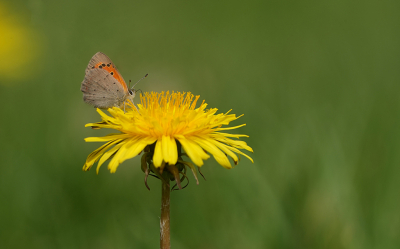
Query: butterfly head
[131, 94]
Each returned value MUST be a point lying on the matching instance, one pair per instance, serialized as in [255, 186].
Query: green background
[318, 82]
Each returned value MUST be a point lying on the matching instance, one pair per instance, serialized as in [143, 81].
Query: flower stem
[164, 221]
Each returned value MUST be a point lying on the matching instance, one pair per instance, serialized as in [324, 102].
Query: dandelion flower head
[168, 121]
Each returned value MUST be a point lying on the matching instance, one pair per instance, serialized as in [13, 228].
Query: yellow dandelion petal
[230, 135]
[95, 155]
[226, 149]
[104, 116]
[230, 128]
[169, 150]
[239, 152]
[125, 152]
[107, 138]
[99, 126]
[107, 155]
[166, 121]
[194, 151]
[235, 143]
[219, 156]
[120, 152]
[136, 147]
[157, 158]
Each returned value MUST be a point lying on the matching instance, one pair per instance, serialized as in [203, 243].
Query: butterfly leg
[135, 107]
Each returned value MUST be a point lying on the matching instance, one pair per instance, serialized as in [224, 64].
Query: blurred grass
[318, 83]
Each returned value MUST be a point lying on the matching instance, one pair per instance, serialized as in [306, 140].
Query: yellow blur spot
[19, 47]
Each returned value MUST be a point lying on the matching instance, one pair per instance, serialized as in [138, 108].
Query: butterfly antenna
[138, 81]
[129, 84]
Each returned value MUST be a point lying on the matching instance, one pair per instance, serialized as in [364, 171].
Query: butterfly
[103, 86]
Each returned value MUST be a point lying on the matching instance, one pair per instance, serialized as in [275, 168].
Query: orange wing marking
[113, 71]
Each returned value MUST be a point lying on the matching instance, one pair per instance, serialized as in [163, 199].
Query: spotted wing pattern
[103, 86]
[102, 90]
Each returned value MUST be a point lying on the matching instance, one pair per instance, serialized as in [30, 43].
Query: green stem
[165, 220]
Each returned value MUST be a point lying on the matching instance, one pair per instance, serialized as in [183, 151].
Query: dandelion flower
[163, 124]
[20, 46]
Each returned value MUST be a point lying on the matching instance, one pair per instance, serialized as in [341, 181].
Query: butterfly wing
[101, 90]
[103, 85]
